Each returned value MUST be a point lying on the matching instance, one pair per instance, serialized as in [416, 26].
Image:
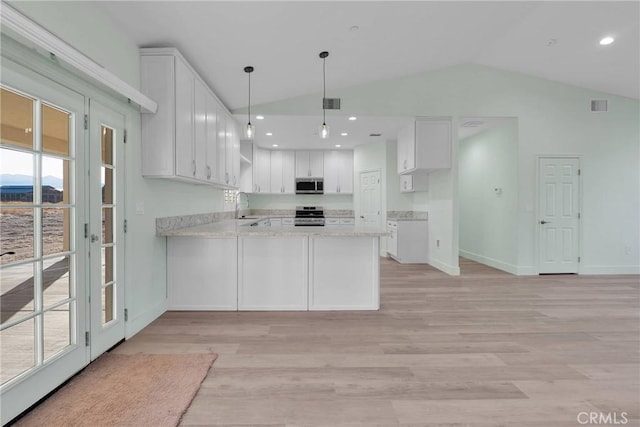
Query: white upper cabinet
[282, 172]
[261, 171]
[200, 130]
[338, 172]
[211, 111]
[185, 155]
[425, 145]
[309, 164]
[183, 139]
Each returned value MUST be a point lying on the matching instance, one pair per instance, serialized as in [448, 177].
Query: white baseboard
[491, 262]
[449, 269]
[136, 324]
[527, 270]
[609, 269]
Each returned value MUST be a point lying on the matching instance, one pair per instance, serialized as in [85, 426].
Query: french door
[105, 229]
[43, 289]
[61, 234]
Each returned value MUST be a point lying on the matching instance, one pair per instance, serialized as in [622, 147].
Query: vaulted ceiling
[370, 41]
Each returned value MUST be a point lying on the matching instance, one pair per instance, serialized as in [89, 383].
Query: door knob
[362, 216]
[544, 222]
[94, 238]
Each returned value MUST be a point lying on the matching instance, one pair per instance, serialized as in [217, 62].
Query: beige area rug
[125, 390]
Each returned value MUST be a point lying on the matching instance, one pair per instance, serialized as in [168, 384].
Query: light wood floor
[483, 349]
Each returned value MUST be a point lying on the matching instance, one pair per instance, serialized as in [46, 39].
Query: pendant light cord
[249, 110]
[324, 91]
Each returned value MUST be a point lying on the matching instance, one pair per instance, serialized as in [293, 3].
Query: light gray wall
[553, 119]
[84, 25]
[488, 219]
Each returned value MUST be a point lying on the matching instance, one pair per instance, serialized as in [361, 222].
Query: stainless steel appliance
[309, 186]
[309, 216]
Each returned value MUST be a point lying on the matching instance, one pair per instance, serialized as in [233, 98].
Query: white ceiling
[282, 41]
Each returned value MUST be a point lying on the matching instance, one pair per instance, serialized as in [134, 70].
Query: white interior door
[106, 227]
[558, 207]
[42, 269]
[370, 199]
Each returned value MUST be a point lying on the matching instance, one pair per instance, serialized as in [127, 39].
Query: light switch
[139, 208]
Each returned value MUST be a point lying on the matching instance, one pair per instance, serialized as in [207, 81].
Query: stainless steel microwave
[309, 186]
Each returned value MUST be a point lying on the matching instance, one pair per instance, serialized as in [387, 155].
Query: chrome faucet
[238, 202]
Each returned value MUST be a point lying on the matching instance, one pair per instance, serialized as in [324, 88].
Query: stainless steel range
[309, 216]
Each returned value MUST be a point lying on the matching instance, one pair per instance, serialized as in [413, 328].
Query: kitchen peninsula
[241, 265]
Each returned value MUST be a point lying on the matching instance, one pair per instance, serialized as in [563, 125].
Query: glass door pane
[37, 213]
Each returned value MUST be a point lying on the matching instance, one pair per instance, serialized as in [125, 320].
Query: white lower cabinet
[334, 281]
[407, 241]
[272, 273]
[202, 273]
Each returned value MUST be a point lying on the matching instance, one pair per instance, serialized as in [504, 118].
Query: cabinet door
[345, 171]
[302, 164]
[316, 163]
[235, 166]
[392, 241]
[212, 138]
[263, 181]
[403, 141]
[185, 165]
[222, 146]
[406, 184]
[288, 172]
[331, 172]
[200, 130]
[276, 172]
[229, 149]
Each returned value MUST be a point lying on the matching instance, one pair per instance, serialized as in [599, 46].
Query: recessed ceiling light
[352, 118]
[260, 117]
[269, 134]
[607, 40]
[552, 42]
[344, 134]
[274, 145]
[338, 145]
[354, 28]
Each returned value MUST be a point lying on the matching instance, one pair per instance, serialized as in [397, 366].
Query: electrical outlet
[140, 208]
[627, 250]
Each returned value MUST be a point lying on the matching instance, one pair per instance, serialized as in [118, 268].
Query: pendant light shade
[250, 130]
[324, 128]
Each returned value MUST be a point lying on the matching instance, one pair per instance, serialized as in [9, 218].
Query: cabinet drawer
[347, 221]
[332, 221]
[287, 221]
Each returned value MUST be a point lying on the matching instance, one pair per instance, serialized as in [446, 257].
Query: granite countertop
[241, 227]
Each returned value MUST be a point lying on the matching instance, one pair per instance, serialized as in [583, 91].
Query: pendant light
[249, 130]
[324, 129]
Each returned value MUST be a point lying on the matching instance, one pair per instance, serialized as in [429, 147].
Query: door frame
[536, 224]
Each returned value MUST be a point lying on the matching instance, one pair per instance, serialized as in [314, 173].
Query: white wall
[88, 29]
[553, 118]
[488, 220]
[145, 263]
